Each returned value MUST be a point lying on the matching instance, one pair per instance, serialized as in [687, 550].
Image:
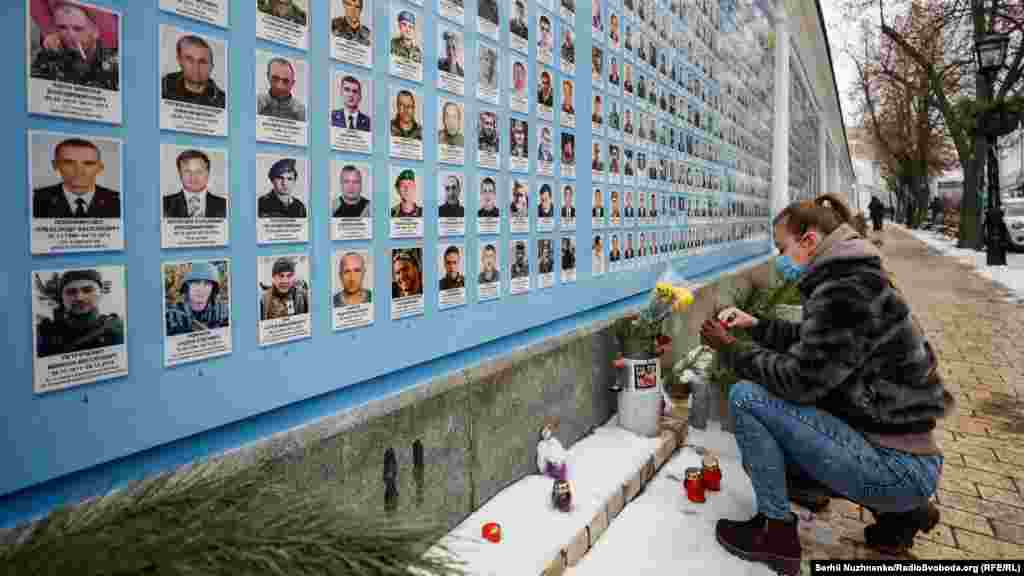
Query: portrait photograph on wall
[488, 281]
[597, 210]
[281, 94]
[545, 95]
[75, 190]
[79, 326]
[352, 288]
[519, 27]
[545, 207]
[567, 112]
[545, 39]
[73, 61]
[597, 257]
[567, 49]
[519, 84]
[406, 47]
[351, 112]
[197, 310]
[568, 149]
[488, 214]
[284, 22]
[193, 78]
[195, 197]
[567, 214]
[519, 209]
[351, 204]
[406, 282]
[545, 264]
[451, 59]
[519, 266]
[209, 11]
[452, 285]
[488, 18]
[282, 199]
[488, 137]
[284, 285]
[451, 209]
[406, 124]
[452, 10]
[406, 203]
[567, 10]
[352, 31]
[451, 137]
[545, 153]
[488, 73]
[567, 259]
[519, 153]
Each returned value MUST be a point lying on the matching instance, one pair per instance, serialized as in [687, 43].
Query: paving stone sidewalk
[978, 335]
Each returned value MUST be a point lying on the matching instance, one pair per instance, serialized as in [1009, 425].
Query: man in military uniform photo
[351, 203]
[286, 295]
[452, 278]
[199, 308]
[407, 207]
[192, 82]
[406, 273]
[568, 47]
[74, 53]
[568, 255]
[404, 45]
[546, 91]
[286, 9]
[520, 138]
[545, 208]
[544, 152]
[404, 124]
[450, 133]
[451, 62]
[615, 254]
[489, 272]
[452, 206]
[488, 199]
[520, 267]
[279, 201]
[77, 323]
[349, 26]
[351, 272]
[487, 139]
[278, 100]
[545, 262]
[79, 163]
[349, 115]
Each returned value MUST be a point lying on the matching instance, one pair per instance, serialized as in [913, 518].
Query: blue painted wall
[65, 445]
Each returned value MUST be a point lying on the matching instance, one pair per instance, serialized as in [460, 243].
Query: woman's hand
[736, 318]
[714, 335]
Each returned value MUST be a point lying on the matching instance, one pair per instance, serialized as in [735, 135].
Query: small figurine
[551, 456]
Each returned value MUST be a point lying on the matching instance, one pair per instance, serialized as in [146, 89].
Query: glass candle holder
[711, 473]
[694, 485]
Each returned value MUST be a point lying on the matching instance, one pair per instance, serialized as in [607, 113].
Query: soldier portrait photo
[350, 19]
[79, 309]
[545, 90]
[544, 145]
[407, 114]
[450, 193]
[488, 71]
[71, 183]
[545, 38]
[487, 131]
[519, 23]
[520, 267]
[488, 10]
[406, 39]
[194, 69]
[545, 258]
[568, 253]
[283, 200]
[197, 296]
[353, 100]
[405, 197]
[520, 137]
[451, 131]
[406, 272]
[490, 271]
[353, 200]
[353, 284]
[287, 293]
[450, 59]
[291, 10]
[488, 199]
[194, 198]
[75, 42]
[280, 87]
[452, 265]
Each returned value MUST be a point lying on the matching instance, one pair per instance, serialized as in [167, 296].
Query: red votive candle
[711, 473]
[694, 485]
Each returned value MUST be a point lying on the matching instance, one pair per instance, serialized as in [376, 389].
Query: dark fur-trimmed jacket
[858, 353]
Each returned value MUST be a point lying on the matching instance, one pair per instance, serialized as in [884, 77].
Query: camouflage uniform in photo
[180, 317]
[68, 66]
[66, 333]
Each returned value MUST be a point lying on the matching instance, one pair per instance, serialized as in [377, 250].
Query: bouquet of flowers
[642, 332]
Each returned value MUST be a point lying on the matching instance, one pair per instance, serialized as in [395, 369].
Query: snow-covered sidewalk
[1010, 276]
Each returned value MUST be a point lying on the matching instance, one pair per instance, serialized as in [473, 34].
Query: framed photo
[351, 288]
[197, 310]
[284, 293]
[194, 84]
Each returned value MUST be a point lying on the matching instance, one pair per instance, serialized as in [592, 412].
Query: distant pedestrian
[877, 213]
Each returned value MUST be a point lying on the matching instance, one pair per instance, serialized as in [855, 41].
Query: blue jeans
[772, 432]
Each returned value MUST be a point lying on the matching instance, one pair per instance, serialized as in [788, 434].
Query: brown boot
[893, 533]
[760, 539]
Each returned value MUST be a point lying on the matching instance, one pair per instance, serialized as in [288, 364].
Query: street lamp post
[990, 52]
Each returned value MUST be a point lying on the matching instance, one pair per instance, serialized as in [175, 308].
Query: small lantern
[711, 473]
[694, 485]
[491, 532]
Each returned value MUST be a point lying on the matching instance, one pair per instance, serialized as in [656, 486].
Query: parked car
[1013, 216]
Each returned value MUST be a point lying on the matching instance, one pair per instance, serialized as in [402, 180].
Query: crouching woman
[850, 395]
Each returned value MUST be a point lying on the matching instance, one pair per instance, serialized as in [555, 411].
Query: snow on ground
[1010, 276]
[662, 532]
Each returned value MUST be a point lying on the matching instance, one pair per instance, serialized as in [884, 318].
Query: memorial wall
[231, 207]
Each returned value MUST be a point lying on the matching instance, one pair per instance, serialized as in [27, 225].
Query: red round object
[491, 531]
